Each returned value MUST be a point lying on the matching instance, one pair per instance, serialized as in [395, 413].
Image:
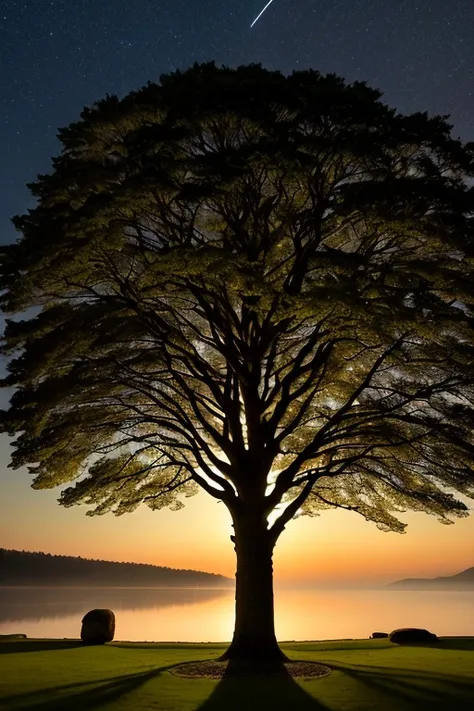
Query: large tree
[256, 285]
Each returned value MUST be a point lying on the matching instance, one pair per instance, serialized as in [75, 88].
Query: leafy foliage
[256, 284]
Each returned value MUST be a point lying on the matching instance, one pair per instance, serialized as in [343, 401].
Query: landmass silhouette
[461, 581]
[19, 568]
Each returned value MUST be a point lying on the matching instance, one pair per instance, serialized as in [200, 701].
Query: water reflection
[141, 613]
[202, 615]
[39, 603]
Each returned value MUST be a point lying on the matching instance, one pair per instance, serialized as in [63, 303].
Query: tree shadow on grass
[38, 645]
[461, 643]
[278, 692]
[82, 696]
[181, 646]
[464, 644]
[413, 688]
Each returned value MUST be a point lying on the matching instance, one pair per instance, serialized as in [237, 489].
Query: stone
[379, 635]
[98, 627]
[412, 635]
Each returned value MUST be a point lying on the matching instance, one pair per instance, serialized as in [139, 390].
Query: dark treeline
[25, 568]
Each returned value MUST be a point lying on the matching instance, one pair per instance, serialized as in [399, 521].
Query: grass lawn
[368, 675]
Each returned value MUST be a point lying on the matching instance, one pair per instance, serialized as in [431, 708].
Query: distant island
[22, 568]
[460, 581]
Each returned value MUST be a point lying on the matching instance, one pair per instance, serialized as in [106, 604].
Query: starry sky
[57, 56]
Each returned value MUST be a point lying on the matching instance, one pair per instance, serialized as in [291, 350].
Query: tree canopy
[254, 284]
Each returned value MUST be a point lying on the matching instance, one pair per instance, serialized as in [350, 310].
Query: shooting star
[260, 14]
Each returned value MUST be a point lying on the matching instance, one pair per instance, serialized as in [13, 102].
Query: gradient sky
[57, 56]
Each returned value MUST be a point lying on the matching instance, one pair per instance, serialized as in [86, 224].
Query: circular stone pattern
[217, 670]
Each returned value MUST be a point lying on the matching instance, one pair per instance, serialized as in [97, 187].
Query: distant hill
[460, 581]
[44, 569]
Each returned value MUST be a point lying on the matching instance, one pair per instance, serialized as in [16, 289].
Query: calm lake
[202, 615]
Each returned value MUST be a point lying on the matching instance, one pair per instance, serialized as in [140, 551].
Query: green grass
[368, 675]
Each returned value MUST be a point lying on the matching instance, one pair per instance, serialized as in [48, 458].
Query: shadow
[271, 689]
[461, 643]
[412, 688]
[413, 673]
[418, 645]
[82, 696]
[38, 645]
[217, 647]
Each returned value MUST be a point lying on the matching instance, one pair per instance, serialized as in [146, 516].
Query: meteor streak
[260, 15]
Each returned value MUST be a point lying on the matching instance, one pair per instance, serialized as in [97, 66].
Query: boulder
[98, 627]
[412, 635]
[379, 635]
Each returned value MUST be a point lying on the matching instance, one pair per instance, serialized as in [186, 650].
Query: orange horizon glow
[338, 547]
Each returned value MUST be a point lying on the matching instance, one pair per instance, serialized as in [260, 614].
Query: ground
[366, 675]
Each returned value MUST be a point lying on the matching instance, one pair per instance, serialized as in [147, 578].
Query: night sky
[57, 56]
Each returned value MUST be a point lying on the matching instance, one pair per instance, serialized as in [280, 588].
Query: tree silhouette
[257, 285]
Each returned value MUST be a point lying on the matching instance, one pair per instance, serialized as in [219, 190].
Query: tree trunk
[254, 639]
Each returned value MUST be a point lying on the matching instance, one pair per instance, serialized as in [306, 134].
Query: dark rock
[412, 635]
[98, 627]
[379, 635]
